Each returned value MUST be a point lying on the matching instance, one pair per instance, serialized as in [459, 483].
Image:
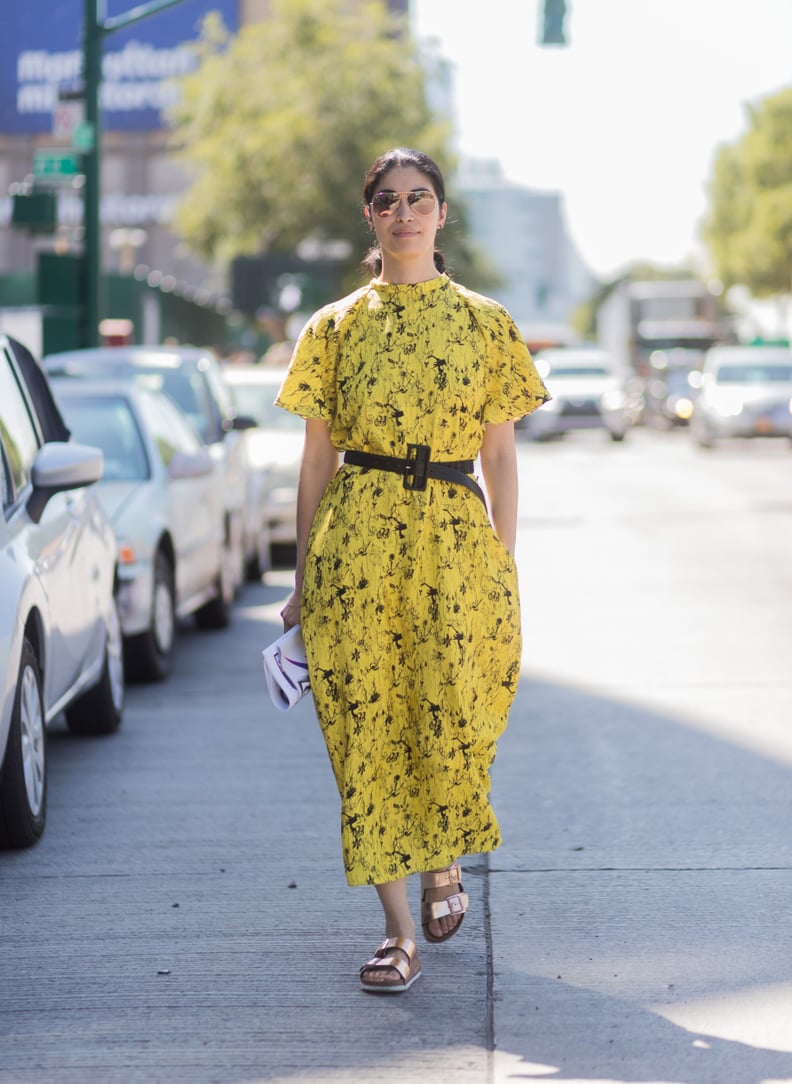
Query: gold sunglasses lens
[421, 201]
[384, 202]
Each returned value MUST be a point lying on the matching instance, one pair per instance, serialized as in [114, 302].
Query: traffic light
[36, 212]
[553, 18]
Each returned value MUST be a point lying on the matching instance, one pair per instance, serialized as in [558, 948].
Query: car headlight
[683, 408]
[613, 400]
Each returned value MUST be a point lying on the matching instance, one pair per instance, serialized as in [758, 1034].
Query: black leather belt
[417, 466]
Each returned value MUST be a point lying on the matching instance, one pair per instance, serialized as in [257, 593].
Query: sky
[625, 120]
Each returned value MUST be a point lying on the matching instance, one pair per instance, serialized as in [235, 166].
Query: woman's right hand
[291, 611]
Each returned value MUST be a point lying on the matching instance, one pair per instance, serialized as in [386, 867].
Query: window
[170, 429]
[107, 422]
[755, 374]
[17, 432]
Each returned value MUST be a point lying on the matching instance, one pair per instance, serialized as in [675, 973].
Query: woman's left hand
[291, 611]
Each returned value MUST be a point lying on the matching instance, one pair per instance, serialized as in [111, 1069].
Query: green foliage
[748, 229]
[281, 121]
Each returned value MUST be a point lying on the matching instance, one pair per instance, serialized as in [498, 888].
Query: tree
[281, 121]
[748, 229]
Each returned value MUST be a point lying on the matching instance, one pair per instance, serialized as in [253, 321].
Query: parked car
[60, 634]
[192, 377]
[274, 450]
[746, 391]
[587, 393]
[163, 493]
[672, 387]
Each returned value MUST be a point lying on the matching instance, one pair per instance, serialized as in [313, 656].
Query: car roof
[254, 374]
[746, 355]
[575, 355]
[114, 357]
[100, 386]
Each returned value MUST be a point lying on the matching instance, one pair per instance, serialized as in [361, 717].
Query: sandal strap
[451, 906]
[443, 877]
[385, 958]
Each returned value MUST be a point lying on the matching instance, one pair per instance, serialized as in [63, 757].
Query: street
[185, 918]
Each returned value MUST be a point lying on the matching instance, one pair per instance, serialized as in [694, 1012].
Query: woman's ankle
[400, 929]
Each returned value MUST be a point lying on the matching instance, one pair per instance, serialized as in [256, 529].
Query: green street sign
[54, 164]
[83, 137]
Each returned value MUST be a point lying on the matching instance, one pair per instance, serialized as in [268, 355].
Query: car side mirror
[190, 465]
[242, 421]
[59, 466]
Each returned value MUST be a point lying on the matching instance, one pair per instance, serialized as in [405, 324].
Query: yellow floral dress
[410, 608]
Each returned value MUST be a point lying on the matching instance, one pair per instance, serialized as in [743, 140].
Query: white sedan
[60, 635]
[586, 391]
[274, 451]
[164, 493]
[746, 391]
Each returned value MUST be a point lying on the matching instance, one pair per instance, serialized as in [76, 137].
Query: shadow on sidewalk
[186, 918]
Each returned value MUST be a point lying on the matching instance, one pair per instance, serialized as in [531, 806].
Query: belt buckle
[416, 466]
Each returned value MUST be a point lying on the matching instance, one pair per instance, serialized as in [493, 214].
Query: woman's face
[402, 229]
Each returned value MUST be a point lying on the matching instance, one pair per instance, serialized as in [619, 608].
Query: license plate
[764, 425]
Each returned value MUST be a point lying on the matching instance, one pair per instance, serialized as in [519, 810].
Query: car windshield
[108, 423]
[755, 374]
[577, 370]
[256, 400]
[188, 390]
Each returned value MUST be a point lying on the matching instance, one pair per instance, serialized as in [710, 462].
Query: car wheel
[216, 614]
[253, 569]
[99, 710]
[617, 437]
[149, 656]
[23, 781]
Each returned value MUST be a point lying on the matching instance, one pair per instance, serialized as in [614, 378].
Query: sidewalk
[186, 919]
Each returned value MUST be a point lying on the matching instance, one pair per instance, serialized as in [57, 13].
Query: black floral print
[410, 607]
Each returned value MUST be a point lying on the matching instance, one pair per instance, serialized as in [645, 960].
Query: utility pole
[94, 32]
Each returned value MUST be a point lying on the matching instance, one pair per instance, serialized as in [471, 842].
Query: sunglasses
[420, 200]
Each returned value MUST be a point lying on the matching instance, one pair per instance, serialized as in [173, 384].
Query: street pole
[92, 237]
[94, 31]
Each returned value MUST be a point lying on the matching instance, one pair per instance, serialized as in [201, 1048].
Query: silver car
[193, 379]
[586, 393]
[60, 634]
[746, 391]
[274, 451]
[163, 492]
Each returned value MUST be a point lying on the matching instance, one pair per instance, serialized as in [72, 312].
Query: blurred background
[588, 145]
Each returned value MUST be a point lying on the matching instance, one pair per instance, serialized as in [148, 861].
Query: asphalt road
[186, 919]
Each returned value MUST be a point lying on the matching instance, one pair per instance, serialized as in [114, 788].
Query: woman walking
[405, 590]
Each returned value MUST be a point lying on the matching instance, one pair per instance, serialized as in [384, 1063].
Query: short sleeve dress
[410, 607]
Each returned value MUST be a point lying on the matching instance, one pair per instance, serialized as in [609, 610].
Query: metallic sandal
[453, 906]
[395, 954]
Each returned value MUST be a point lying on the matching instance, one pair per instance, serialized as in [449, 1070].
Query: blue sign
[40, 53]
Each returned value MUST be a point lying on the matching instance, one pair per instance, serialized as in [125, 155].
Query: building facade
[524, 236]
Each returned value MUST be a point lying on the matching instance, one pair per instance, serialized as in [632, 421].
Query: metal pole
[92, 77]
[93, 36]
